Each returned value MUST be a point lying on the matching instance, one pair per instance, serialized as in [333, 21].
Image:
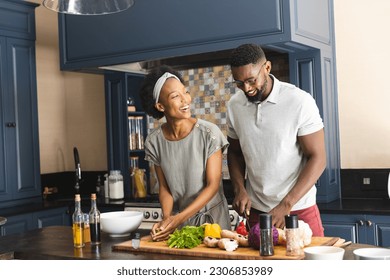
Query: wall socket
[366, 181]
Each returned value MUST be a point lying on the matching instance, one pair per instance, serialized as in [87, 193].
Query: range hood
[136, 67]
[208, 59]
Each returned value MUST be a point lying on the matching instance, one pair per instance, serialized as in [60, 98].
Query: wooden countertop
[56, 243]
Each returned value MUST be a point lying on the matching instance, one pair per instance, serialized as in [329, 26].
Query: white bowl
[372, 254]
[324, 253]
[120, 223]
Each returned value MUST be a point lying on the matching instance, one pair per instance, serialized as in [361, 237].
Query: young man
[277, 149]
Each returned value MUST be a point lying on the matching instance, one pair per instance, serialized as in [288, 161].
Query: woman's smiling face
[175, 100]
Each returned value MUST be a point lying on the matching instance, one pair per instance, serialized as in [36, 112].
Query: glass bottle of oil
[94, 221]
[78, 224]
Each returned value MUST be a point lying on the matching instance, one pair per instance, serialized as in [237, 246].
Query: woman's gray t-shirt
[183, 163]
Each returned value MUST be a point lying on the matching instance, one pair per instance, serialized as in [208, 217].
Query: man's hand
[242, 202]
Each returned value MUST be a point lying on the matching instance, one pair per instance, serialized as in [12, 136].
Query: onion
[254, 236]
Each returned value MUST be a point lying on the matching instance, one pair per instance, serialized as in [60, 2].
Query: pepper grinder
[266, 239]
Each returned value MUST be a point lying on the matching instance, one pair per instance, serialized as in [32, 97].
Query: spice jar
[266, 238]
[135, 242]
[293, 238]
[115, 185]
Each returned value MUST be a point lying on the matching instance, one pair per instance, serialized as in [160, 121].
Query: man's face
[252, 80]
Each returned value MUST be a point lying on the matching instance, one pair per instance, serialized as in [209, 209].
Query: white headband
[159, 84]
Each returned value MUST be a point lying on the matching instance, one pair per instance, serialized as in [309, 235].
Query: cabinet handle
[10, 124]
[361, 223]
[369, 223]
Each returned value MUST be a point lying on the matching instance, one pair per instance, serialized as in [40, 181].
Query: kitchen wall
[71, 105]
[363, 59]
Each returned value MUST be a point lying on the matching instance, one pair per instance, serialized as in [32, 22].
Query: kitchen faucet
[78, 169]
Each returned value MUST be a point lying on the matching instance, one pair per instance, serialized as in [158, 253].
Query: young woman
[187, 154]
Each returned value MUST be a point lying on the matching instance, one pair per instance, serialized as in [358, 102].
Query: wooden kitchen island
[56, 243]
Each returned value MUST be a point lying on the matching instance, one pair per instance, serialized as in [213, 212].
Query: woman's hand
[163, 229]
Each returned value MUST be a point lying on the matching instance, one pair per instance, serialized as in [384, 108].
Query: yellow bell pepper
[212, 230]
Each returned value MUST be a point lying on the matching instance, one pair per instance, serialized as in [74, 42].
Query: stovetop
[143, 204]
[151, 201]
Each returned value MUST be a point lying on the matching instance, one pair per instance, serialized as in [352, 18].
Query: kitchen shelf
[121, 86]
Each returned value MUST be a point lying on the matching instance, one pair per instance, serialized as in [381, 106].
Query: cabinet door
[3, 89]
[53, 217]
[22, 157]
[305, 72]
[378, 230]
[344, 226]
[17, 224]
[116, 119]
[197, 27]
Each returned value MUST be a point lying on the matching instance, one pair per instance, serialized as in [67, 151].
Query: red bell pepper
[241, 229]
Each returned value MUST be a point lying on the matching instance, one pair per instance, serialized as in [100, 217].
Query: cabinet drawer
[54, 217]
[17, 224]
[346, 231]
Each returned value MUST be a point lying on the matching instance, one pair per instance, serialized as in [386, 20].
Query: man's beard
[259, 94]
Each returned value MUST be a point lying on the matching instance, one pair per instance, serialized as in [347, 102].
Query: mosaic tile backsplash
[211, 89]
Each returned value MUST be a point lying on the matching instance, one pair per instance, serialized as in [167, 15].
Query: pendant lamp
[88, 7]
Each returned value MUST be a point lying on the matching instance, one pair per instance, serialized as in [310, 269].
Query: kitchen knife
[77, 163]
[247, 221]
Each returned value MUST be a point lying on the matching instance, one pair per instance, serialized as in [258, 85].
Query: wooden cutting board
[242, 253]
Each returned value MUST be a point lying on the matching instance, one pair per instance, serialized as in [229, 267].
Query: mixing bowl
[324, 253]
[372, 254]
[120, 223]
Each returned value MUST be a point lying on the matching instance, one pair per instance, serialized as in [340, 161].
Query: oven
[152, 213]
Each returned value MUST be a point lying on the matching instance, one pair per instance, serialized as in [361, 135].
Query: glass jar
[293, 237]
[139, 132]
[134, 160]
[115, 185]
[132, 133]
[138, 180]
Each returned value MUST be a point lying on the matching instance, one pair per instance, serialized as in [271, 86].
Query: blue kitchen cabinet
[24, 222]
[119, 87]
[378, 230]
[314, 72]
[358, 228]
[19, 150]
[53, 217]
[17, 224]
[154, 29]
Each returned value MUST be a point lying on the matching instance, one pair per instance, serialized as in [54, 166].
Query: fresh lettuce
[187, 237]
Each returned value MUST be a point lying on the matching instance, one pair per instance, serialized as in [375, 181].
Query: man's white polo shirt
[268, 133]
